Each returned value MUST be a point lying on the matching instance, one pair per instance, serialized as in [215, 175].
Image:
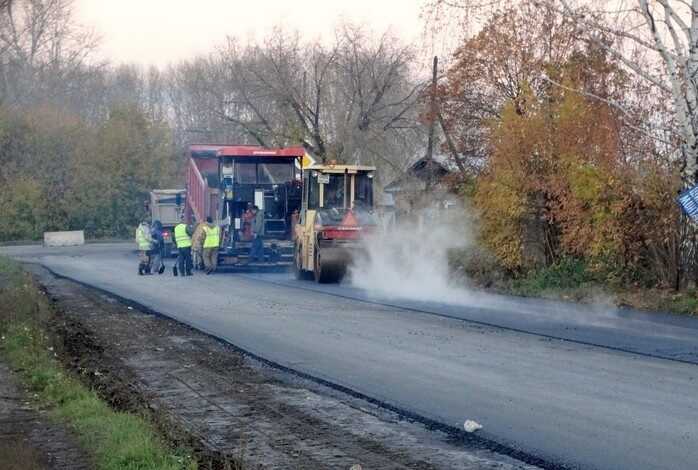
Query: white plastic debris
[471, 426]
[130, 308]
[356, 466]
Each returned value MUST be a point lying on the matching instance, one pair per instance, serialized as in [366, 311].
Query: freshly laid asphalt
[580, 386]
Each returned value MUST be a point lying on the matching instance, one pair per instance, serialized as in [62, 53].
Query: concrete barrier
[73, 238]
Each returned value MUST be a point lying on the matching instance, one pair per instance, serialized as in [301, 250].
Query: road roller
[336, 213]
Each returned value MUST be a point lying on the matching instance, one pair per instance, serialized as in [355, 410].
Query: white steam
[410, 260]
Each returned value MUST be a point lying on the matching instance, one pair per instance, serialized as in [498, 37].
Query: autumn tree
[657, 41]
[557, 156]
[509, 53]
[653, 40]
[115, 168]
[35, 149]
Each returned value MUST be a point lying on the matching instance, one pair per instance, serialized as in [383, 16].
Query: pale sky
[164, 31]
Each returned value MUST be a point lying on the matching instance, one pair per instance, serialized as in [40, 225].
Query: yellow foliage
[565, 148]
[23, 210]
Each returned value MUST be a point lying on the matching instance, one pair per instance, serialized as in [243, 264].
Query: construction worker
[257, 249]
[197, 246]
[211, 244]
[157, 252]
[144, 241]
[247, 223]
[182, 236]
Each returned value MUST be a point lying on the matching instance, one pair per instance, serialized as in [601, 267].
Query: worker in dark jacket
[257, 248]
[157, 252]
[182, 236]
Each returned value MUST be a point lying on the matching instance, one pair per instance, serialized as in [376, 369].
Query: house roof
[424, 169]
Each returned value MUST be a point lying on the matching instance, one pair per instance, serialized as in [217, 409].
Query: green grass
[568, 274]
[571, 279]
[684, 302]
[116, 440]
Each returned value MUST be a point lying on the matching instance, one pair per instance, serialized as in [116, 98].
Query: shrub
[478, 266]
[568, 273]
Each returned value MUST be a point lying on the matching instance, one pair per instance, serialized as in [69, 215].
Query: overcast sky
[163, 31]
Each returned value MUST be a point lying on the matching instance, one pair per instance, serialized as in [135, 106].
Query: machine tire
[326, 274]
[298, 271]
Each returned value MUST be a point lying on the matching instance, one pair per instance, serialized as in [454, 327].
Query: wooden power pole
[432, 111]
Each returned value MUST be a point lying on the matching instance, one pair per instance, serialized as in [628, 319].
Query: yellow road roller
[336, 213]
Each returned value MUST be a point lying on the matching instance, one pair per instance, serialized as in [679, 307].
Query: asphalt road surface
[582, 387]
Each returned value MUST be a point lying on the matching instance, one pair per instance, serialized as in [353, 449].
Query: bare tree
[42, 49]
[665, 34]
[355, 99]
[196, 98]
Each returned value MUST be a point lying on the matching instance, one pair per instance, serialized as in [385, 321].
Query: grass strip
[117, 441]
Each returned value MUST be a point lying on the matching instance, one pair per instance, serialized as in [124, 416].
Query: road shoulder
[29, 439]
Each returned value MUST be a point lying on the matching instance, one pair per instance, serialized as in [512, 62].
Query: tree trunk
[534, 234]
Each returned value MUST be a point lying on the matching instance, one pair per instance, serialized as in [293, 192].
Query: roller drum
[331, 264]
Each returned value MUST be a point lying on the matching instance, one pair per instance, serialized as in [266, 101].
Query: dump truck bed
[163, 205]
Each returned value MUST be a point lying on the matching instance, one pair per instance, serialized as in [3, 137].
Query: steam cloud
[410, 261]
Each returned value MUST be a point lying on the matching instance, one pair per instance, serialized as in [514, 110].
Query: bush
[568, 273]
[478, 266]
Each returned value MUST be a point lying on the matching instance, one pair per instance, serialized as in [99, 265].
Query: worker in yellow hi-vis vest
[211, 244]
[182, 236]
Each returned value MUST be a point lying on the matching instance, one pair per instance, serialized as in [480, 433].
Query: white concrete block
[73, 238]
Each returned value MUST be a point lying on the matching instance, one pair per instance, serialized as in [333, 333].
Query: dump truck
[336, 213]
[167, 206]
[222, 181]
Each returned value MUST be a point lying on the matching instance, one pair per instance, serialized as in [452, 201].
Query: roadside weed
[117, 441]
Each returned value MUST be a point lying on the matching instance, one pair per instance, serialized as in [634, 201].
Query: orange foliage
[508, 55]
[566, 147]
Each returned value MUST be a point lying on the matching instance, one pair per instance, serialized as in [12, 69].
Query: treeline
[62, 173]
[82, 141]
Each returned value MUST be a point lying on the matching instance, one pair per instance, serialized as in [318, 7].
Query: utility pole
[432, 112]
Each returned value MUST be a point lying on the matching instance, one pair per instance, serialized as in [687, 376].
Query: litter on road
[471, 426]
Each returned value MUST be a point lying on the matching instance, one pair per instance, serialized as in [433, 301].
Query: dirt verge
[231, 410]
[30, 440]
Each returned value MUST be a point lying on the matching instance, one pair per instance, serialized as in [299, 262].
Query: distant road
[620, 392]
